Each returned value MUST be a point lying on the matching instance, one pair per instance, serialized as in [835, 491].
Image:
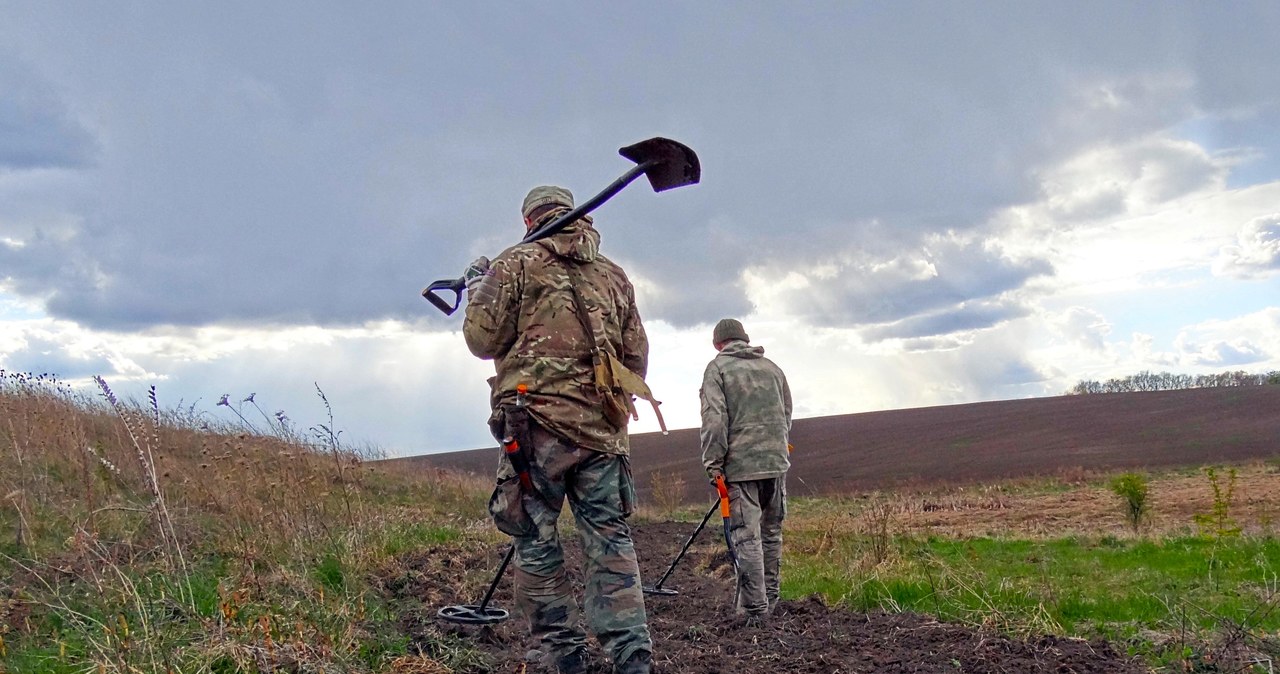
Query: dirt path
[694, 632]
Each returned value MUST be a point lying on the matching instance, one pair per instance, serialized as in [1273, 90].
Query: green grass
[1074, 586]
[417, 534]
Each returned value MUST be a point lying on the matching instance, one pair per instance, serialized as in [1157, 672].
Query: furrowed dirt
[695, 631]
[972, 443]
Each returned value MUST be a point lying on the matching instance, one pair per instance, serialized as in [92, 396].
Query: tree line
[1168, 381]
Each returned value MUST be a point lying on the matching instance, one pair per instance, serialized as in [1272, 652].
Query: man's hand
[475, 273]
[714, 475]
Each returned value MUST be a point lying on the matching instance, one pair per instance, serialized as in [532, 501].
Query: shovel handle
[454, 285]
[667, 164]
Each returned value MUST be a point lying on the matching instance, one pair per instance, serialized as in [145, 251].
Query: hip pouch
[514, 482]
[506, 507]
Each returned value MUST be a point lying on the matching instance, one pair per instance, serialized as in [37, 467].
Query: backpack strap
[614, 380]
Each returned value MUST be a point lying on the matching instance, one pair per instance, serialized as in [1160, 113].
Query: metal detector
[482, 613]
[665, 162]
[666, 591]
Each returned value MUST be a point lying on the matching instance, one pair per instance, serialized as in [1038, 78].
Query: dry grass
[666, 496]
[1037, 510]
[200, 541]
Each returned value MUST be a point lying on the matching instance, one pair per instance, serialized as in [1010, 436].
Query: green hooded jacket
[746, 414]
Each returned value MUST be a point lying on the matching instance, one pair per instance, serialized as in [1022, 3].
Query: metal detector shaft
[511, 551]
[480, 614]
[707, 518]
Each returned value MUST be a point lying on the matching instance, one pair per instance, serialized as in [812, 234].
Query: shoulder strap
[610, 372]
[580, 307]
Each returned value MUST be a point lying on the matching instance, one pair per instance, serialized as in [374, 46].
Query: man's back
[746, 414]
[532, 331]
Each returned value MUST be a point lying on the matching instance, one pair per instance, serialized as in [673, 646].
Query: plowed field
[973, 443]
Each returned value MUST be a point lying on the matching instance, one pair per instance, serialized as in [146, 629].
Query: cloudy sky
[908, 204]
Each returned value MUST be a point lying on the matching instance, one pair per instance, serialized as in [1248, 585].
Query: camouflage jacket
[746, 414]
[523, 317]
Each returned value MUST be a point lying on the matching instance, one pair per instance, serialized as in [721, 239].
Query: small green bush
[1219, 523]
[1132, 489]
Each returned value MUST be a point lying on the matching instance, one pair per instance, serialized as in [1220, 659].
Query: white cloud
[1144, 352]
[391, 384]
[1084, 327]
[1256, 253]
[1112, 180]
[1252, 340]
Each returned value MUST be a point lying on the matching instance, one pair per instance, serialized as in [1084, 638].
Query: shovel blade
[666, 163]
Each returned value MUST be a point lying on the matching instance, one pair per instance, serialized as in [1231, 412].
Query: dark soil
[974, 443]
[695, 631]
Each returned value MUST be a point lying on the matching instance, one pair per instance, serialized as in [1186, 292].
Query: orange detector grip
[723, 490]
[790, 448]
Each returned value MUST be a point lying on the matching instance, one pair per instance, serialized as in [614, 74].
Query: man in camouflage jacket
[746, 418]
[522, 314]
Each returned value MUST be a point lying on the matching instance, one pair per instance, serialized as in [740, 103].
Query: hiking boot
[638, 663]
[754, 620]
[575, 662]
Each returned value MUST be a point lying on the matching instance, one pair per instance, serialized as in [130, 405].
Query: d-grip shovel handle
[456, 285]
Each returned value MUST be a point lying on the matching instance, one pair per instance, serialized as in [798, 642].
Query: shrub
[1132, 489]
[1218, 522]
[667, 492]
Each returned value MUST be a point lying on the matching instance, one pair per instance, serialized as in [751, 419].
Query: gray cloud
[950, 285]
[963, 318]
[36, 129]
[255, 167]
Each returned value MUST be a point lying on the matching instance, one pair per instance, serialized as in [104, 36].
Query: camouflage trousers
[601, 495]
[757, 508]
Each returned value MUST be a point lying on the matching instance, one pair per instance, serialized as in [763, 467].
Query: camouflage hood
[579, 241]
[740, 349]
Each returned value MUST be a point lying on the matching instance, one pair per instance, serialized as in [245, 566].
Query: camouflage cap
[727, 329]
[543, 195]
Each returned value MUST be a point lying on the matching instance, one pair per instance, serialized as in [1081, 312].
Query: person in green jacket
[746, 418]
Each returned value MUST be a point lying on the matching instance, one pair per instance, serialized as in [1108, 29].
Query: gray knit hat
[727, 329]
[543, 195]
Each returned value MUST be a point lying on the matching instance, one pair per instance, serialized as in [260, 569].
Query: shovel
[665, 162]
[657, 588]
